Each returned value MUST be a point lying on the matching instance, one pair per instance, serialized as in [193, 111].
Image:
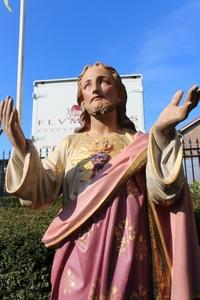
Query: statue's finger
[192, 94]
[177, 97]
[12, 117]
[2, 103]
[195, 98]
[4, 110]
[9, 110]
[190, 100]
[16, 115]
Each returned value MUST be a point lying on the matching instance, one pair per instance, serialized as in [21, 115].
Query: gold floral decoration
[69, 282]
[139, 294]
[124, 233]
[141, 251]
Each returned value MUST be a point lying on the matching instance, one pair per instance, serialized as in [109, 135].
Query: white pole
[20, 60]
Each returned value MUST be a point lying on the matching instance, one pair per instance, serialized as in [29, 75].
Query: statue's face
[99, 91]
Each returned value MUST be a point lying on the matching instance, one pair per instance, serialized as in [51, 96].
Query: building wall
[191, 133]
[191, 155]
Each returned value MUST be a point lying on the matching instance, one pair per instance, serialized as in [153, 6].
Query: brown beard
[101, 110]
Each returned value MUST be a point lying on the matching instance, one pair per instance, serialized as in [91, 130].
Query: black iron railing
[191, 160]
[3, 164]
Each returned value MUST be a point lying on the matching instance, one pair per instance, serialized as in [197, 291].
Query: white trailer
[56, 113]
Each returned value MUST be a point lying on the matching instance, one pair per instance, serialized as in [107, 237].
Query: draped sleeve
[164, 172]
[38, 182]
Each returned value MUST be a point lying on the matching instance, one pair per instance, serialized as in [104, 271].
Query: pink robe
[115, 244]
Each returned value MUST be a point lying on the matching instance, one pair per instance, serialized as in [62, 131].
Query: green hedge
[24, 262]
[9, 202]
[195, 192]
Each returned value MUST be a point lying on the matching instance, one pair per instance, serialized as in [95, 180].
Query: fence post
[184, 159]
[191, 158]
[198, 151]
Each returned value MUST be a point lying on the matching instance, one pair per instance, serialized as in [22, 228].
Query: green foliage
[195, 192]
[9, 202]
[25, 263]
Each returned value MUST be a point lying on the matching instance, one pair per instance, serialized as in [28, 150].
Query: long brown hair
[123, 121]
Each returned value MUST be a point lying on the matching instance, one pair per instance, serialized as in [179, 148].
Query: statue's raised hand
[10, 124]
[175, 113]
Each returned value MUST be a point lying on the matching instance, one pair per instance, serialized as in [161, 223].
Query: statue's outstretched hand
[10, 124]
[175, 113]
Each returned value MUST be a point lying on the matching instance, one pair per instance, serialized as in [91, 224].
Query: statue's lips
[97, 98]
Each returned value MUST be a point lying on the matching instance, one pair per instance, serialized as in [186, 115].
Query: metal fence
[3, 164]
[191, 160]
[191, 163]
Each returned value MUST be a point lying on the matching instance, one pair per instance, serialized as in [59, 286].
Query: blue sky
[158, 39]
